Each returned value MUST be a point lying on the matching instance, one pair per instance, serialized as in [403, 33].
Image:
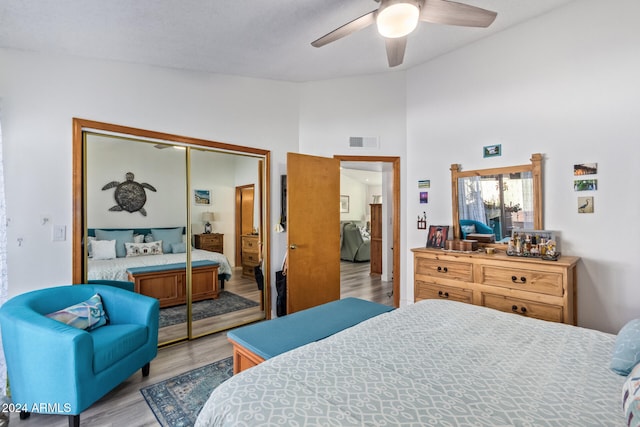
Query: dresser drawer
[442, 269]
[544, 282]
[553, 313]
[424, 290]
[250, 258]
[250, 244]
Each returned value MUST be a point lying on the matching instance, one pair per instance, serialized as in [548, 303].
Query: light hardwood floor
[125, 405]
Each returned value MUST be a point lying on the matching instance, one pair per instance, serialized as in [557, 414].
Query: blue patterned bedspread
[437, 363]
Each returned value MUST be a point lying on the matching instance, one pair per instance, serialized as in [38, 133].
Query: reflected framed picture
[202, 197]
[437, 236]
[344, 204]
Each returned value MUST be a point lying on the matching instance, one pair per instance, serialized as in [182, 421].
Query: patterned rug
[225, 303]
[176, 402]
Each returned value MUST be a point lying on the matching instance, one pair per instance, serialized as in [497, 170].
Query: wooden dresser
[526, 286]
[376, 238]
[213, 242]
[250, 253]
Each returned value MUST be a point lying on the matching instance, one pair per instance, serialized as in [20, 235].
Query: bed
[170, 249]
[436, 362]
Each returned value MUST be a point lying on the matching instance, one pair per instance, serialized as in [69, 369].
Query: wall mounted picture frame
[585, 169]
[585, 184]
[424, 197]
[202, 197]
[585, 204]
[437, 236]
[344, 204]
[492, 150]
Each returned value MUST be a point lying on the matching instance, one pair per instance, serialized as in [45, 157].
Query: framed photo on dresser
[437, 236]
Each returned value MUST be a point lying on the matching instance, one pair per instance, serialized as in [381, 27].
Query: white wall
[565, 85]
[40, 96]
[357, 193]
[333, 110]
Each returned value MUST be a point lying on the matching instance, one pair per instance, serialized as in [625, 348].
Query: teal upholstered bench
[256, 343]
[166, 282]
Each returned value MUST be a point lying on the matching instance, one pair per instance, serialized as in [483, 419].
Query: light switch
[59, 233]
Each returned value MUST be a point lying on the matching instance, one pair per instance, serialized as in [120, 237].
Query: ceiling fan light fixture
[397, 20]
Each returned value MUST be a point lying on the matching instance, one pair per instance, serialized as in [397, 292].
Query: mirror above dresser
[495, 201]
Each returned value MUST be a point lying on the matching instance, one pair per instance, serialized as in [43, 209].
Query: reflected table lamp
[207, 217]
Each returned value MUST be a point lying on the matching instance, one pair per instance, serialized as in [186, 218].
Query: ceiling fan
[395, 19]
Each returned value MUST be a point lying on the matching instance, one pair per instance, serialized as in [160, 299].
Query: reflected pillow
[103, 249]
[87, 315]
[142, 249]
[90, 239]
[120, 236]
[466, 229]
[178, 248]
[168, 236]
[626, 352]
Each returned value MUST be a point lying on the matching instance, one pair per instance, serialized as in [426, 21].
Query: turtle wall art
[130, 195]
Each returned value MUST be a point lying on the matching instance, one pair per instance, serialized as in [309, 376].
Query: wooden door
[246, 195]
[244, 216]
[313, 238]
[376, 238]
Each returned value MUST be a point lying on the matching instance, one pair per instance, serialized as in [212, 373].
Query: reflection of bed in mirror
[116, 268]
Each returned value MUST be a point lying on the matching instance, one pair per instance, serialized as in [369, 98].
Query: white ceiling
[256, 38]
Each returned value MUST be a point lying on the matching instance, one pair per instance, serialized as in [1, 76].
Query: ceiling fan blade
[395, 50]
[348, 28]
[452, 13]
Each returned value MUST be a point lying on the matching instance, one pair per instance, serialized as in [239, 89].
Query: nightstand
[213, 242]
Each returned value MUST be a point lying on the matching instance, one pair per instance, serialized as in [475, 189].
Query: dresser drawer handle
[443, 294]
[514, 308]
[523, 279]
[442, 269]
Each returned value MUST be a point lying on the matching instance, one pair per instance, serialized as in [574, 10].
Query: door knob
[293, 246]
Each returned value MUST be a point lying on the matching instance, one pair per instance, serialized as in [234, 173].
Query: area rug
[176, 402]
[225, 303]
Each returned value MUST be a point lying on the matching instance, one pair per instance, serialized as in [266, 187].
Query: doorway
[358, 279]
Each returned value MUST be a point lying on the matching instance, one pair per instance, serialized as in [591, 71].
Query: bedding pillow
[631, 398]
[168, 236]
[148, 238]
[103, 249]
[141, 249]
[626, 352]
[87, 315]
[178, 248]
[138, 238]
[89, 248]
[466, 229]
[120, 236]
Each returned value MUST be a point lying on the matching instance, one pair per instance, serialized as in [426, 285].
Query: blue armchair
[471, 226]
[55, 368]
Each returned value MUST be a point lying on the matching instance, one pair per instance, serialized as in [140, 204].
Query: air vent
[363, 142]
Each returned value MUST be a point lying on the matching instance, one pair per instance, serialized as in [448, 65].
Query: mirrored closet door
[161, 213]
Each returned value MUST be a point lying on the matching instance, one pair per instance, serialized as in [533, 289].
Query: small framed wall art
[202, 197]
[344, 204]
[492, 150]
